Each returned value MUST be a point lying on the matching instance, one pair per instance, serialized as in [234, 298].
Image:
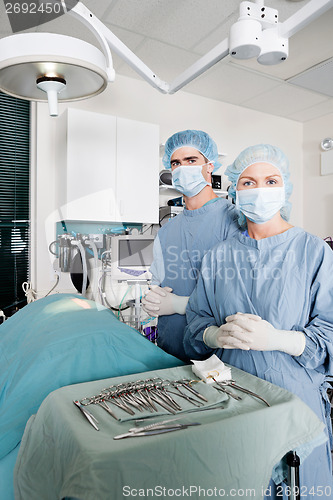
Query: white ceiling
[170, 35]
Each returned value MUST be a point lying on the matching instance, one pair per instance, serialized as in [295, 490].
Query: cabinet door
[90, 166]
[137, 171]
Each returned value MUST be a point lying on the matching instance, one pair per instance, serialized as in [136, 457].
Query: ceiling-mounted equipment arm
[304, 16]
[109, 40]
[203, 64]
[311, 11]
[307, 14]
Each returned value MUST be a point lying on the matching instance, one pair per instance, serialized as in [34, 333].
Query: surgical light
[50, 67]
[274, 48]
[41, 66]
[256, 34]
[244, 39]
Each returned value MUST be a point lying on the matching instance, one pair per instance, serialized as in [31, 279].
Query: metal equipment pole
[293, 463]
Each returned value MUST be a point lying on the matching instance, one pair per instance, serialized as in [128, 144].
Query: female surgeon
[264, 299]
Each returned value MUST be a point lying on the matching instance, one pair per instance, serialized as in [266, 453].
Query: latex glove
[258, 334]
[161, 302]
[227, 336]
[216, 338]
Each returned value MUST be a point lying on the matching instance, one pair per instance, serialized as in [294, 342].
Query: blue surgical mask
[188, 179]
[259, 205]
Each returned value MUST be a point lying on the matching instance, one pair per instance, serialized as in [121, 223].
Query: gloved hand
[161, 302]
[259, 335]
[227, 336]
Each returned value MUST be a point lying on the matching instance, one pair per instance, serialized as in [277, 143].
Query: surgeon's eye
[271, 182]
[175, 164]
[247, 183]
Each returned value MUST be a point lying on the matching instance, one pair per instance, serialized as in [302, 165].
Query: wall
[232, 127]
[318, 189]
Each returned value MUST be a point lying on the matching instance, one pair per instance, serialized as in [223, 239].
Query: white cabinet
[137, 171]
[107, 168]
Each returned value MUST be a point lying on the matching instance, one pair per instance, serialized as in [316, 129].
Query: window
[14, 201]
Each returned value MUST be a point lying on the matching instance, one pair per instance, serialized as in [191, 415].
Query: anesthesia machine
[112, 269]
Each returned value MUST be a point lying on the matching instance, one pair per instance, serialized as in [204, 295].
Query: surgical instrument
[247, 391]
[187, 384]
[181, 394]
[91, 419]
[155, 429]
[223, 389]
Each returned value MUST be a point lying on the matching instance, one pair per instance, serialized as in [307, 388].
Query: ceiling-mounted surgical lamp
[256, 34]
[44, 66]
[50, 67]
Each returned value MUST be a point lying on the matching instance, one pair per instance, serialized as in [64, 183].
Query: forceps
[87, 414]
[223, 389]
[247, 391]
[153, 429]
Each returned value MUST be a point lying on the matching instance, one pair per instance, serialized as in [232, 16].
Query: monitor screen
[135, 252]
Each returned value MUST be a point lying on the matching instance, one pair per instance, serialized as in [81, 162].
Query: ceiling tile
[100, 7]
[170, 35]
[284, 100]
[4, 23]
[166, 61]
[229, 83]
[319, 78]
[177, 23]
[321, 109]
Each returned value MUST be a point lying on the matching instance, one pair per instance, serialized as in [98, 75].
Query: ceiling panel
[319, 78]
[165, 60]
[313, 112]
[284, 100]
[226, 82]
[178, 23]
[170, 35]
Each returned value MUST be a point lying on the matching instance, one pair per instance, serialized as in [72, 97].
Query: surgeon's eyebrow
[254, 178]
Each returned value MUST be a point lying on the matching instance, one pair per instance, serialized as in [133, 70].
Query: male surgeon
[181, 244]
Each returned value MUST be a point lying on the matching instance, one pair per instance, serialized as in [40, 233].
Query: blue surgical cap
[260, 153]
[193, 138]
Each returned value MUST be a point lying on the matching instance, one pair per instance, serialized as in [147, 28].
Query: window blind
[14, 201]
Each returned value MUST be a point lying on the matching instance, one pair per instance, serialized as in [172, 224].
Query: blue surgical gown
[178, 251]
[286, 279]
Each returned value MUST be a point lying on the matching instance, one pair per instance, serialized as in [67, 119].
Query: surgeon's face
[191, 156]
[260, 175]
